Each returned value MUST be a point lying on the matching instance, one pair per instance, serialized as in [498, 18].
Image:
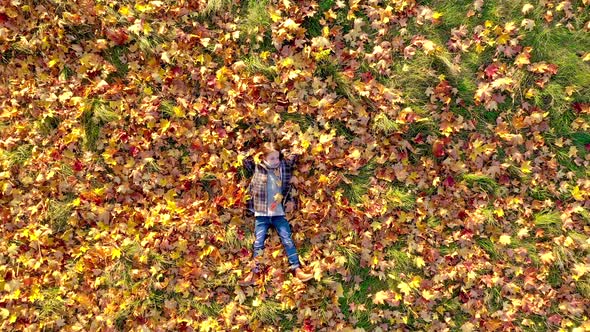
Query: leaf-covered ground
[444, 185]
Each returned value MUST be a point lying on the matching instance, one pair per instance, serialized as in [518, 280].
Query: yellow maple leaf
[404, 288]
[115, 253]
[355, 154]
[339, 290]
[577, 194]
[427, 294]
[502, 82]
[380, 297]
[415, 283]
[164, 125]
[526, 167]
[548, 257]
[527, 8]
[275, 15]
[504, 239]
[579, 270]
[419, 262]
[287, 62]
[522, 59]
[289, 24]
[503, 39]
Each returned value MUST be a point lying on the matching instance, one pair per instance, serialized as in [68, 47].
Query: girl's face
[273, 159]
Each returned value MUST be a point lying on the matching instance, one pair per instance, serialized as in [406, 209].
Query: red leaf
[119, 36]
[133, 150]
[78, 166]
[581, 107]
[438, 149]
[449, 181]
[555, 319]
[491, 70]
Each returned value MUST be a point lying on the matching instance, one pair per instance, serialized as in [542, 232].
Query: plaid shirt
[257, 186]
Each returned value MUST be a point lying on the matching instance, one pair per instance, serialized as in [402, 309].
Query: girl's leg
[260, 230]
[284, 230]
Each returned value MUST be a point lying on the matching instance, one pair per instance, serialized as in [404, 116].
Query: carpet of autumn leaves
[444, 182]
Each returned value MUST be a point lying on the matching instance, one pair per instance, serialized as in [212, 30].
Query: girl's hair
[268, 147]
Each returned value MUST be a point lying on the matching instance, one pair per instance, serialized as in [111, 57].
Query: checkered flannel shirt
[257, 187]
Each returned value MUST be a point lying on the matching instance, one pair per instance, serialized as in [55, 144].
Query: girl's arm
[289, 198]
[249, 164]
[292, 159]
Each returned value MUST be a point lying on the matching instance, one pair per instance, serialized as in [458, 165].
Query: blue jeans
[283, 228]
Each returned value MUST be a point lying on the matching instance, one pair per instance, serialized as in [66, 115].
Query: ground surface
[443, 183]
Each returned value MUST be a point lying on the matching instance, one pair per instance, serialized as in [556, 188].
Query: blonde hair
[268, 147]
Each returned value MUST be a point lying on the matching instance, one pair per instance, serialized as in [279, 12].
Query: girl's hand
[297, 150]
[289, 207]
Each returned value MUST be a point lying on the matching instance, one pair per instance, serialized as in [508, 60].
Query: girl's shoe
[249, 280]
[302, 275]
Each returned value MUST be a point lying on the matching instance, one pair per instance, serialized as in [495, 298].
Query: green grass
[48, 123]
[312, 24]
[411, 77]
[539, 193]
[343, 130]
[488, 246]
[565, 257]
[561, 46]
[580, 140]
[403, 262]
[562, 128]
[96, 114]
[269, 312]
[304, 120]
[330, 71]
[115, 55]
[52, 304]
[122, 315]
[233, 242]
[18, 156]
[489, 215]
[531, 248]
[257, 18]
[584, 213]
[351, 256]
[149, 44]
[448, 249]
[362, 294]
[255, 26]
[483, 182]
[425, 126]
[58, 213]
[356, 190]
[216, 6]
[493, 298]
[210, 309]
[452, 306]
[583, 286]
[256, 65]
[400, 198]
[550, 221]
[168, 109]
[535, 323]
[554, 276]
[383, 124]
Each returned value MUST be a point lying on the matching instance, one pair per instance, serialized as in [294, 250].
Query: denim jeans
[281, 225]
